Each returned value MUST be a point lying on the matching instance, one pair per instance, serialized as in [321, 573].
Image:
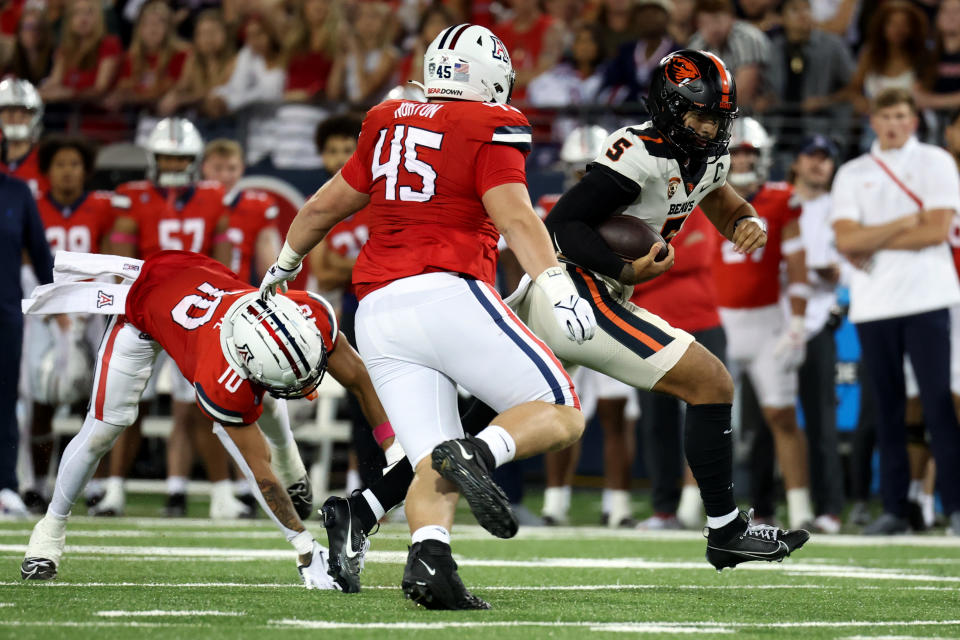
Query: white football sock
[374, 504]
[241, 488]
[176, 484]
[690, 509]
[353, 481]
[620, 508]
[799, 508]
[915, 490]
[500, 442]
[556, 502]
[715, 522]
[94, 488]
[605, 501]
[430, 532]
[79, 461]
[927, 508]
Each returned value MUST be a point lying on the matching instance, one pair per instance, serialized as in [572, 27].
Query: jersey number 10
[415, 137]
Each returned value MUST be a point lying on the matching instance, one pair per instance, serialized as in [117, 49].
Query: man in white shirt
[892, 210]
[813, 170]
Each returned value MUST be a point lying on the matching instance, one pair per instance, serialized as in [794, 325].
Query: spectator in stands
[894, 54]
[575, 80]
[30, 55]
[86, 62]
[154, 62]
[627, 78]
[809, 72]
[534, 40]
[617, 24]
[743, 47]
[209, 65]
[312, 46]
[838, 17]
[763, 14]
[683, 23]
[258, 75]
[361, 74]
[21, 232]
[891, 213]
[812, 173]
[944, 92]
[434, 19]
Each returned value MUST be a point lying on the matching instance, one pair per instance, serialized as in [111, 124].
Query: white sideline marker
[159, 613]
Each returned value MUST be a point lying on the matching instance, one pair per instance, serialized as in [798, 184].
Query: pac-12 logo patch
[104, 299]
[672, 186]
[681, 70]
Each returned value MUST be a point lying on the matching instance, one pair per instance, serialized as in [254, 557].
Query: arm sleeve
[573, 220]
[35, 241]
[499, 164]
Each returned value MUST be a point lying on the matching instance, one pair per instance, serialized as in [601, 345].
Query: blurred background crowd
[280, 87]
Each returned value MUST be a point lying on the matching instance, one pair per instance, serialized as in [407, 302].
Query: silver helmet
[174, 137]
[18, 93]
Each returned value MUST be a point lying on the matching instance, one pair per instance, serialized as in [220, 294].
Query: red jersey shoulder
[260, 201]
[490, 122]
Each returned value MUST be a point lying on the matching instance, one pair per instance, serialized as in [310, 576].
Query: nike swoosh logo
[350, 552]
[465, 455]
[430, 569]
[730, 430]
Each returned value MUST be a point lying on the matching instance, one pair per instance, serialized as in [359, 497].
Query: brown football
[630, 237]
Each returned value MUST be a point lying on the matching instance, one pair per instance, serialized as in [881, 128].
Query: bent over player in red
[229, 344]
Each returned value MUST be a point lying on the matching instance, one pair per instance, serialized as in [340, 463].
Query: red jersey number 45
[403, 148]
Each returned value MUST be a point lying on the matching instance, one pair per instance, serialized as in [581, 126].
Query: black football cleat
[752, 542]
[431, 581]
[176, 505]
[348, 543]
[301, 495]
[38, 569]
[461, 462]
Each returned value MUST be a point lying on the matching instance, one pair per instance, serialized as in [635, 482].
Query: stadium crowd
[281, 85]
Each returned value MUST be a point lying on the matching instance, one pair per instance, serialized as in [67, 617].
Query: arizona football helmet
[174, 137]
[272, 344]
[468, 62]
[690, 80]
[749, 135]
[18, 93]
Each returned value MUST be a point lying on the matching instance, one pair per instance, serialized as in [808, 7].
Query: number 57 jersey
[426, 167]
[179, 300]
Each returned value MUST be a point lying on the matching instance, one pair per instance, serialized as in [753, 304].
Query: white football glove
[791, 348]
[573, 313]
[286, 268]
[314, 575]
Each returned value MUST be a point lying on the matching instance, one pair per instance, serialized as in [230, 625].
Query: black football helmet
[691, 80]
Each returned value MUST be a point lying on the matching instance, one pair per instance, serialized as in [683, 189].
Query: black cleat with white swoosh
[750, 541]
[430, 579]
[38, 569]
[464, 462]
[348, 543]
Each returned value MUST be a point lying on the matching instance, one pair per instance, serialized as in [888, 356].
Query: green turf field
[141, 577]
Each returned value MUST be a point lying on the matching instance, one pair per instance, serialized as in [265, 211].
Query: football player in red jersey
[232, 347]
[171, 210]
[444, 179]
[761, 342]
[253, 214]
[21, 121]
[74, 219]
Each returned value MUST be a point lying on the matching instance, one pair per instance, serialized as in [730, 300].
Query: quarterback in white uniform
[659, 172]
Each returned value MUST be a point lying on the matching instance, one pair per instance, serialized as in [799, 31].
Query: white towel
[77, 297]
[70, 266]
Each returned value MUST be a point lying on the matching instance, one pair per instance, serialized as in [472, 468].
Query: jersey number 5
[415, 137]
[616, 150]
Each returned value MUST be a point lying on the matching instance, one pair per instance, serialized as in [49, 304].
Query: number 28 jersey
[179, 300]
[426, 167]
[668, 194]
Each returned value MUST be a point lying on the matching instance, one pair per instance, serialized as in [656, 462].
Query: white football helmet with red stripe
[272, 344]
[468, 62]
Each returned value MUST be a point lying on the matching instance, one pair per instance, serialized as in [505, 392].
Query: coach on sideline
[20, 231]
[892, 209]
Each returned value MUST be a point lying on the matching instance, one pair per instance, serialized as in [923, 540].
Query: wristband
[554, 283]
[289, 259]
[799, 290]
[798, 324]
[302, 542]
[382, 432]
[118, 237]
[758, 220]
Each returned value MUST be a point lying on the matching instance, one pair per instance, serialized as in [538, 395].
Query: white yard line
[627, 627]
[142, 533]
[97, 623]
[159, 613]
[573, 587]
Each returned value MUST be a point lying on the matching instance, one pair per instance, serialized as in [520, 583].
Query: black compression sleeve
[573, 220]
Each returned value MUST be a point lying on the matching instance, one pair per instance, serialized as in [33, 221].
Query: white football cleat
[314, 575]
[224, 505]
[114, 499]
[44, 550]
